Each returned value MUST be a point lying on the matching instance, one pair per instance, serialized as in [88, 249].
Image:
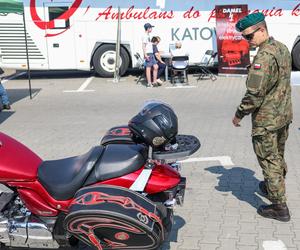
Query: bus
[82, 34]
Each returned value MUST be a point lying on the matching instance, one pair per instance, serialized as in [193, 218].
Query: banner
[233, 50]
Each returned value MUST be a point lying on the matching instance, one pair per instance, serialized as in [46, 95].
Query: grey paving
[221, 201]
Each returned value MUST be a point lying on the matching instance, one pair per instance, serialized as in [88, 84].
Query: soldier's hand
[236, 121]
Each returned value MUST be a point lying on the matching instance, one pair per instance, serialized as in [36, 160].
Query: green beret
[249, 20]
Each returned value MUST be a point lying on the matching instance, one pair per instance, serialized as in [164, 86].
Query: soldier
[268, 99]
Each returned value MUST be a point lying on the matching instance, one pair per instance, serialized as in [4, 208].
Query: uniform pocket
[264, 144]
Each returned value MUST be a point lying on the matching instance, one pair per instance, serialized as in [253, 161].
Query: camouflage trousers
[269, 149]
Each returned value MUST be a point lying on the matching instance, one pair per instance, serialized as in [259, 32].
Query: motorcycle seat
[118, 160]
[62, 178]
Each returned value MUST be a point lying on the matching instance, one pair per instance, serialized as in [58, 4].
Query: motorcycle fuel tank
[17, 162]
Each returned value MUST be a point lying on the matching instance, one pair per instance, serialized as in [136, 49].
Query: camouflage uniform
[268, 98]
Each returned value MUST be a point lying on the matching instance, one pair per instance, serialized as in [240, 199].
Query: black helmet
[156, 124]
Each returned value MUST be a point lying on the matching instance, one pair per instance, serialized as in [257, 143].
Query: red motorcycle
[119, 195]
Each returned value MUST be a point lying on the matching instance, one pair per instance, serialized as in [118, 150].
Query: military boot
[275, 211]
[263, 189]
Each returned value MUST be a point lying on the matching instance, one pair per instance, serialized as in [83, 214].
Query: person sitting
[178, 51]
[180, 64]
[161, 64]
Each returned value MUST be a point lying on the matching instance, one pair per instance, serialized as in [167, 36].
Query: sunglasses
[251, 35]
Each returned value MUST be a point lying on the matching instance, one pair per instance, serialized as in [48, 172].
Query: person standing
[3, 95]
[150, 61]
[268, 99]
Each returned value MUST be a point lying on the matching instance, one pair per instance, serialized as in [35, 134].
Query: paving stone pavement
[221, 200]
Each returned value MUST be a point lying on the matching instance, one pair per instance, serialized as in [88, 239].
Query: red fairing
[18, 163]
[36, 204]
[38, 200]
[163, 177]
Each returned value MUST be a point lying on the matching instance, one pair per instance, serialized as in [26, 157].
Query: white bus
[81, 34]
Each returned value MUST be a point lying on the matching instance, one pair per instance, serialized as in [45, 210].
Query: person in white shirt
[150, 61]
[179, 51]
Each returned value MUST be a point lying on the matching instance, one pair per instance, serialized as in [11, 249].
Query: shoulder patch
[254, 82]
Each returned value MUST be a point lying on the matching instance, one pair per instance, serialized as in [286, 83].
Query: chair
[179, 64]
[207, 61]
[141, 66]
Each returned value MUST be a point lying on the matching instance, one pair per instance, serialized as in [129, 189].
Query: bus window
[54, 13]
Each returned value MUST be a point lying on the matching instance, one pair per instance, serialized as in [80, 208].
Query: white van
[81, 34]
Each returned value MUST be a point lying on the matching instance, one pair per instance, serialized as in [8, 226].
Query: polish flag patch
[257, 66]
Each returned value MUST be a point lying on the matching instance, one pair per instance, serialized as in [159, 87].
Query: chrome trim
[26, 231]
[176, 166]
[4, 235]
[31, 232]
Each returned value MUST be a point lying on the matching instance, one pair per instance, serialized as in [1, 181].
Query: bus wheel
[104, 60]
[296, 56]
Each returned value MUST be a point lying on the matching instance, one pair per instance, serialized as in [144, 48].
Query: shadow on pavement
[139, 75]
[179, 222]
[193, 71]
[241, 182]
[5, 115]
[56, 74]
[16, 95]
